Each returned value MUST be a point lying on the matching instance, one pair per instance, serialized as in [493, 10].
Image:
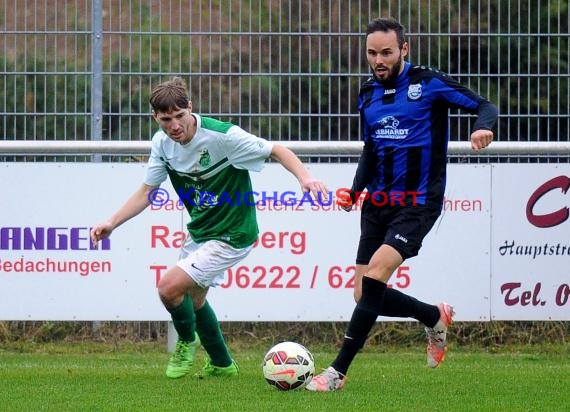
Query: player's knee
[168, 292]
[382, 270]
[199, 302]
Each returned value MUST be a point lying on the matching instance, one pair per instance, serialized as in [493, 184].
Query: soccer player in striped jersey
[404, 117]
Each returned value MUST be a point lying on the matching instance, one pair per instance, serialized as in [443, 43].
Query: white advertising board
[530, 277]
[299, 270]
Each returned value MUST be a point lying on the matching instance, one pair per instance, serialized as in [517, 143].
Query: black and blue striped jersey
[405, 132]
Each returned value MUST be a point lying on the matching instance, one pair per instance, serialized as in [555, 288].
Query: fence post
[97, 74]
[172, 337]
[97, 86]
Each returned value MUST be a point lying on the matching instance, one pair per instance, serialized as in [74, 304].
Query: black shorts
[402, 227]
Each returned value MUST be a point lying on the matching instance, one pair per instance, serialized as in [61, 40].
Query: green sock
[184, 319]
[211, 336]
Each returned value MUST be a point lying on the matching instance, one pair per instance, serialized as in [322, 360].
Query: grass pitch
[98, 377]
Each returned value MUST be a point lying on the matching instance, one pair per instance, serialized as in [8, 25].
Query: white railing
[43, 147]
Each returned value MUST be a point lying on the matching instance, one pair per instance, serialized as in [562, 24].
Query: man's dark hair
[170, 95]
[386, 25]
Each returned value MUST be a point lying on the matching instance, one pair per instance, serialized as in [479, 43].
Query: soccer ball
[288, 366]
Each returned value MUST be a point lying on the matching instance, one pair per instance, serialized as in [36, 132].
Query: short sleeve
[246, 151]
[156, 170]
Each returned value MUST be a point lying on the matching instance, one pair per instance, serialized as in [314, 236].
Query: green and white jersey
[211, 176]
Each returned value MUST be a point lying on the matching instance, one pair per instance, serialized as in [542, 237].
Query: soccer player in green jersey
[208, 162]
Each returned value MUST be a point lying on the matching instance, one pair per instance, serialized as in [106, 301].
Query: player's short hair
[386, 25]
[170, 95]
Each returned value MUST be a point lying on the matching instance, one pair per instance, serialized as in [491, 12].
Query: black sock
[361, 322]
[400, 305]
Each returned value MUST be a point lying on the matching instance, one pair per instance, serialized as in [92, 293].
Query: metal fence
[84, 69]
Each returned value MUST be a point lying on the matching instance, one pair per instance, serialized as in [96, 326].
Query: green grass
[75, 377]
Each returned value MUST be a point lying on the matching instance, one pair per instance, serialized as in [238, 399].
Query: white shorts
[206, 263]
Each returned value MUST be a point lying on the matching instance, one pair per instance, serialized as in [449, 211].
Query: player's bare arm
[291, 162]
[138, 202]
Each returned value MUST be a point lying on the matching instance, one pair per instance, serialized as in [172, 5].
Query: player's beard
[393, 73]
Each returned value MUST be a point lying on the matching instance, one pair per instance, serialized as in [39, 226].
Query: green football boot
[182, 358]
[210, 370]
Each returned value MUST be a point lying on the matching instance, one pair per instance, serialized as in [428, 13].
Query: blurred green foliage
[285, 71]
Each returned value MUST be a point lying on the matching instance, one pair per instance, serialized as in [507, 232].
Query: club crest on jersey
[204, 158]
[414, 91]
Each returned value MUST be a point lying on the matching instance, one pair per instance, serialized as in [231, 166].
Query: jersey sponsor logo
[390, 122]
[414, 91]
[388, 129]
[389, 92]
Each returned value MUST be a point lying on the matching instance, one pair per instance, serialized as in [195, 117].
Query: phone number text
[292, 277]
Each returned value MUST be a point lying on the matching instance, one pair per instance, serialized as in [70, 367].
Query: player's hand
[99, 232]
[344, 201]
[317, 189]
[480, 139]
